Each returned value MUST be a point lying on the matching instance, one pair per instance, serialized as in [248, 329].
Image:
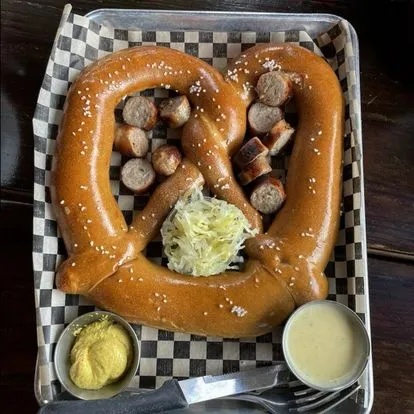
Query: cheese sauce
[324, 345]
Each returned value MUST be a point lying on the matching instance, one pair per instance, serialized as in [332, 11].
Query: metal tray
[314, 25]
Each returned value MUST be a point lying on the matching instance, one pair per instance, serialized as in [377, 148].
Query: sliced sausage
[262, 117]
[138, 175]
[278, 137]
[130, 141]
[249, 152]
[268, 195]
[139, 111]
[274, 88]
[255, 169]
[166, 159]
[175, 111]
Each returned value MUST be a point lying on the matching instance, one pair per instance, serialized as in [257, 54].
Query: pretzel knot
[106, 262]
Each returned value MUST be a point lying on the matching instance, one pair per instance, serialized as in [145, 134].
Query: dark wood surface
[386, 43]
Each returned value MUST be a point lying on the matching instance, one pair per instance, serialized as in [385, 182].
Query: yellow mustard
[101, 354]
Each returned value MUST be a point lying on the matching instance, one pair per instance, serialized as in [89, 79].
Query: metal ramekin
[62, 357]
[365, 348]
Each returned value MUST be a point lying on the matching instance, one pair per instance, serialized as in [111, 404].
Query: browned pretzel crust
[286, 265]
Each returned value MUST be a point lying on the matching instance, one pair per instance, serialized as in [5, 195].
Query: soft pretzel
[285, 267]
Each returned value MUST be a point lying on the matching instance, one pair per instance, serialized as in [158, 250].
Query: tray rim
[316, 16]
[303, 18]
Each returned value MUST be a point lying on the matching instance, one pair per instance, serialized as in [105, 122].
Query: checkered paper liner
[164, 355]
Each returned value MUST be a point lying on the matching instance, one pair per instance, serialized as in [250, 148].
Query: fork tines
[312, 401]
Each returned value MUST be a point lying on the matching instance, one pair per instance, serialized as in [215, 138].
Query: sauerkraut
[203, 236]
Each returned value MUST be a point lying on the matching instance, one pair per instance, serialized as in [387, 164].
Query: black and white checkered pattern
[79, 42]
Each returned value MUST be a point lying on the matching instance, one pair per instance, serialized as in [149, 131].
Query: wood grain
[18, 345]
[391, 286]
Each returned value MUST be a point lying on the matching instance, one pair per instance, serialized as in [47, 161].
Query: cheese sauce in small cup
[326, 345]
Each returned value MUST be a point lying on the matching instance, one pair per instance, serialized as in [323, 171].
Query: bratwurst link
[285, 266]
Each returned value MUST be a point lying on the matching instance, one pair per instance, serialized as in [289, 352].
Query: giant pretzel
[285, 267]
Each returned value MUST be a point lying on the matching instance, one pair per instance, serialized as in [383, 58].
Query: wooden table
[386, 43]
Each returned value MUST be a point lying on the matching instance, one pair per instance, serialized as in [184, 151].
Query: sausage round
[274, 88]
[262, 118]
[251, 150]
[255, 169]
[137, 175]
[166, 159]
[139, 111]
[175, 111]
[268, 195]
[277, 138]
[131, 141]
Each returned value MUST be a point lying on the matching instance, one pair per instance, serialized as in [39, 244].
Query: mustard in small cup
[62, 356]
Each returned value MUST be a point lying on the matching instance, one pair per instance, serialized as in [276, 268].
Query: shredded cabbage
[202, 236]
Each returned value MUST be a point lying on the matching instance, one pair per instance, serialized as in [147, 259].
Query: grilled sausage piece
[175, 111]
[140, 112]
[268, 195]
[249, 152]
[262, 117]
[274, 88]
[278, 137]
[130, 141]
[166, 159]
[137, 175]
[255, 169]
